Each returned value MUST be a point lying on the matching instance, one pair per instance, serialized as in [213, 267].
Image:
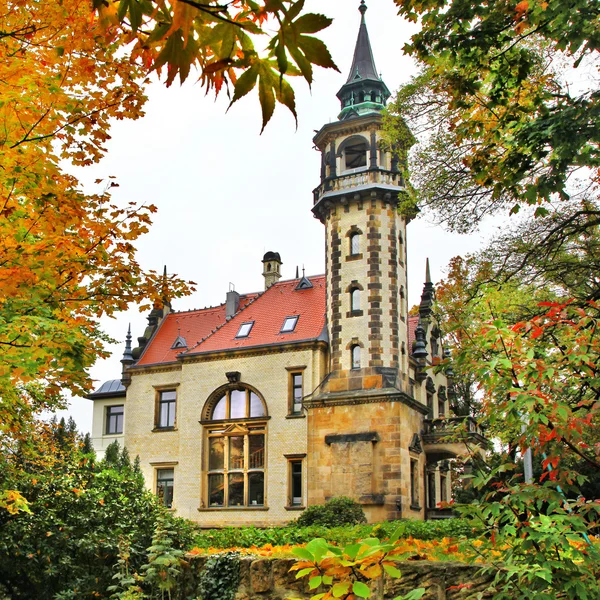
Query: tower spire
[364, 92]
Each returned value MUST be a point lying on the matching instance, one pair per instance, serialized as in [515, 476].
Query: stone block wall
[270, 579]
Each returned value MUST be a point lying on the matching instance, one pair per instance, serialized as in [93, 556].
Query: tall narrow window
[114, 420]
[167, 401]
[354, 244]
[296, 393]
[431, 489]
[443, 487]
[355, 300]
[355, 354]
[430, 404]
[164, 486]
[441, 407]
[296, 483]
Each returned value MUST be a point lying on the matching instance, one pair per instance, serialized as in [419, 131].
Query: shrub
[337, 511]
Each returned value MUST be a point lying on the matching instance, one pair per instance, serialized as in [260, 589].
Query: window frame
[293, 328]
[159, 404]
[162, 497]
[354, 249]
[296, 502]
[295, 406]
[355, 300]
[414, 484]
[245, 431]
[355, 359]
[108, 419]
[240, 334]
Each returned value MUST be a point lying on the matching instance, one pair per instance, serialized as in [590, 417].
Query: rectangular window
[296, 393]
[441, 407]
[114, 419]
[236, 469]
[443, 487]
[430, 404]
[289, 324]
[296, 483]
[414, 482]
[167, 401]
[164, 486]
[431, 497]
[244, 330]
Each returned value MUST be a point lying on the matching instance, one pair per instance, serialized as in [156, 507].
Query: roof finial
[362, 8]
[297, 273]
[427, 273]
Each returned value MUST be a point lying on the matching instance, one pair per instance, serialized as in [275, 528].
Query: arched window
[355, 354]
[355, 300]
[354, 244]
[355, 154]
[236, 444]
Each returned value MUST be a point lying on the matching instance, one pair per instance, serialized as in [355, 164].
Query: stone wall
[270, 579]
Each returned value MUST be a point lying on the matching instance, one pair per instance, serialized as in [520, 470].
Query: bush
[245, 537]
[337, 511]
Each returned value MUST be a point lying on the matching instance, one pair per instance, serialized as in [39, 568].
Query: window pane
[257, 451]
[236, 452]
[244, 329]
[238, 404]
[167, 414]
[216, 453]
[164, 486]
[219, 411]
[114, 419]
[236, 489]
[256, 489]
[256, 406]
[354, 245]
[215, 490]
[356, 357]
[168, 395]
[356, 155]
[296, 483]
[355, 300]
[289, 324]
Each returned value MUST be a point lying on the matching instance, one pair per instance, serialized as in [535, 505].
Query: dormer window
[289, 324]
[244, 330]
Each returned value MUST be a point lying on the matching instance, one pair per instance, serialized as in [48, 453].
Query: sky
[226, 194]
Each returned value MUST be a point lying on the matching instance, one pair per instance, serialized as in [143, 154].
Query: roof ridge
[219, 327]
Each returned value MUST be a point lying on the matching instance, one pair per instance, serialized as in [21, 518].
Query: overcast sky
[226, 195]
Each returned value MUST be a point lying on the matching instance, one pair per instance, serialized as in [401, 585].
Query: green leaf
[392, 571]
[303, 553]
[316, 52]
[311, 23]
[360, 589]
[245, 83]
[315, 582]
[340, 589]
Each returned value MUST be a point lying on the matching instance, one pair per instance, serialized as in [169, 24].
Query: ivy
[220, 577]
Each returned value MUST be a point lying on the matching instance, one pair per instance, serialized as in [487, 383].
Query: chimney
[232, 302]
[271, 268]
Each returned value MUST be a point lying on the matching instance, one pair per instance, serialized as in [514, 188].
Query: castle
[315, 387]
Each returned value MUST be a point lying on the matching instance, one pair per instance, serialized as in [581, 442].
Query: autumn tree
[501, 122]
[67, 257]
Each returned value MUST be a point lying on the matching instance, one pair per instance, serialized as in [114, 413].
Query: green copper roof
[364, 92]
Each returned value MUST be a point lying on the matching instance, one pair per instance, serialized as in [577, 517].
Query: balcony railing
[350, 180]
[452, 429]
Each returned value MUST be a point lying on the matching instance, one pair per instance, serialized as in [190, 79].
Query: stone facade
[271, 579]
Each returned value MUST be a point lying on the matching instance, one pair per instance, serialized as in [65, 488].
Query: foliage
[501, 120]
[218, 39]
[220, 577]
[337, 511]
[346, 572]
[70, 542]
[246, 537]
[67, 257]
[533, 356]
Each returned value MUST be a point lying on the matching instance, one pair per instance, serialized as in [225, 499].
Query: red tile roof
[413, 321]
[207, 330]
[192, 325]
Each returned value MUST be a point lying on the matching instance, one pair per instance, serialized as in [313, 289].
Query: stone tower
[357, 201]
